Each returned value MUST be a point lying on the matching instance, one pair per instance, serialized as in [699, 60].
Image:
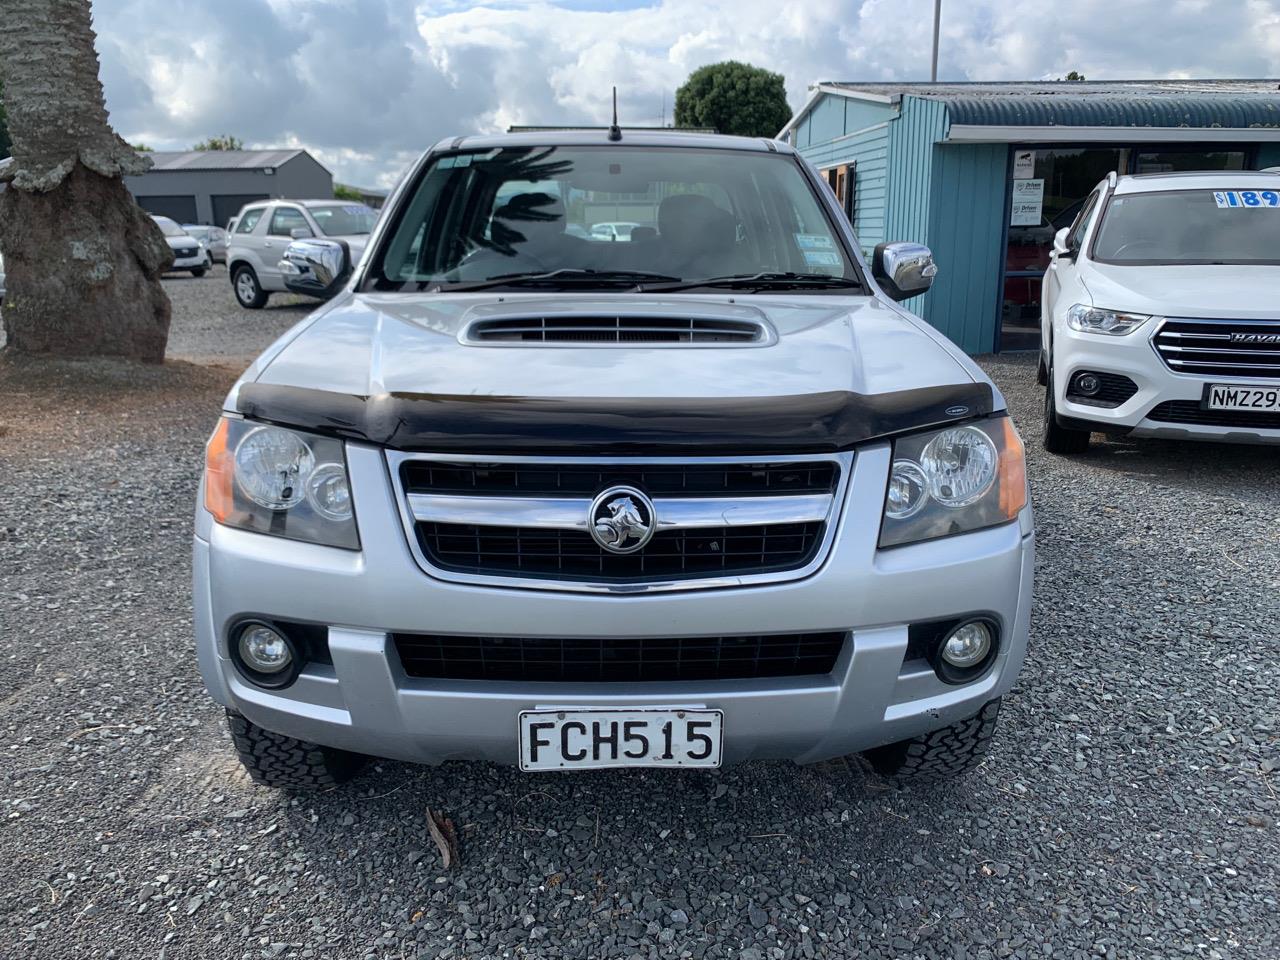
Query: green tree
[734, 98]
[1074, 76]
[224, 142]
[342, 192]
[142, 148]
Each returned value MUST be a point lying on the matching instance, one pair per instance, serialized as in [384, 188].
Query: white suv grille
[1221, 348]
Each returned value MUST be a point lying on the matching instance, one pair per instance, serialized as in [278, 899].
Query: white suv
[1160, 314]
[264, 230]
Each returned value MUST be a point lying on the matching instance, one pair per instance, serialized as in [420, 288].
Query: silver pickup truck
[523, 494]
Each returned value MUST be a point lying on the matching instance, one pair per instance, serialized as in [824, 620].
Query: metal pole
[937, 19]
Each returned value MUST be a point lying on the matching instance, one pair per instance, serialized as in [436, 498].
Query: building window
[844, 180]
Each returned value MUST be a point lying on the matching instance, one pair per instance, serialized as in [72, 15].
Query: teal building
[986, 173]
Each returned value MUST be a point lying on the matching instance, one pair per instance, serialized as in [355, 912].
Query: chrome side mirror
[301, 233]
[316, 268]
[903, 269]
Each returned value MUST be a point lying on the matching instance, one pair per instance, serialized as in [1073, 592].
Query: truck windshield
[1191, 226]
[595, 216]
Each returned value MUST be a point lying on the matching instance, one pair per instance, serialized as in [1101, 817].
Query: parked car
[188, 252]
[1159, 312]
[619, 230]
[263, 232]
[518, 496]
[213, 238]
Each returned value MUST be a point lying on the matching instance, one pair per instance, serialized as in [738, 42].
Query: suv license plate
[644, 737]
[1223, 396]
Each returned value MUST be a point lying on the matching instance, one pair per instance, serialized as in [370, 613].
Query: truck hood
[387, 366]
[1196, 290]
[370, 344]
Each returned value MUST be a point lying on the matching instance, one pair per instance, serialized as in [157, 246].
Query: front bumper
[365, 702]
[1135, 357]
[187, 263]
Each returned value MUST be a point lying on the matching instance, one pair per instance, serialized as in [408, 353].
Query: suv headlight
[280, 482]
[954, 480]
[1096, 320]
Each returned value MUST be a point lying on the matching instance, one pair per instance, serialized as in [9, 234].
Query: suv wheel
[248, 291]
[198, 271]
[1056, 437]
[943, 753]
[275, 760]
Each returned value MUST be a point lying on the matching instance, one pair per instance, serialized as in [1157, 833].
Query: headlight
[1096, 320]
[953, 481]
[280, 482]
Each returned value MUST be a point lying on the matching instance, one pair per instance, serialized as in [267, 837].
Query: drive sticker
[1246, 198]
[821, 258]
[813, 241]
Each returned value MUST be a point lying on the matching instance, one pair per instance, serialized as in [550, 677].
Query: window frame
[245, 215]
[1076, 233]
[288, 208]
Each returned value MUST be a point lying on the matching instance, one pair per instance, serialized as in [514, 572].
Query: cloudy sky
[365, 85]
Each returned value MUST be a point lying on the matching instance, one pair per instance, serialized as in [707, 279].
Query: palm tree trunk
[82, 259]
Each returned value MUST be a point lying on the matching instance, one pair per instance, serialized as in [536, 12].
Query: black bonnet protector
[808, 423]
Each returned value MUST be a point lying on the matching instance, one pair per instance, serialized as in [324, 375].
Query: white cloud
[366, 84]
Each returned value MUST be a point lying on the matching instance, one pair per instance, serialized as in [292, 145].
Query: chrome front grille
[526, 522]
[1221, 348]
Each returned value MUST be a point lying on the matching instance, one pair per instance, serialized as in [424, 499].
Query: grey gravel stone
[1129, 801]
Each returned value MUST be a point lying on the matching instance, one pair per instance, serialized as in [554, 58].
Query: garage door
[227, 205]
[182, 209]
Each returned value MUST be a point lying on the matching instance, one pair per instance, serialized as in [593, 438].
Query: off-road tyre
[248, 291]
[1056, 438]
[275, 760]
[941, 754]
[199, 271]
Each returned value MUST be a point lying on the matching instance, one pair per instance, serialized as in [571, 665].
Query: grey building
[210, 186]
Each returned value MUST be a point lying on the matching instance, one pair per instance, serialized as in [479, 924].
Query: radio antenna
[615, 132]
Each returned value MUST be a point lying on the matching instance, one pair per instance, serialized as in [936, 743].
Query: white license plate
[1223, 396]
[574, 739]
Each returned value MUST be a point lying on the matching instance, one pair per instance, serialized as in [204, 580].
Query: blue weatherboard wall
[911, 187]
[912, 184]
[851, 131]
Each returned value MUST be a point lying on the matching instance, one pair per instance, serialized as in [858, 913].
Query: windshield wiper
[761, 281]
[575, 275]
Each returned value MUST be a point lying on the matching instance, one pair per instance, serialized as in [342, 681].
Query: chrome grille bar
[1247, 349]
[671, 513]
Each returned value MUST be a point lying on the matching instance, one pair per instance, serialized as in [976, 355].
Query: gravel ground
[1128, 809]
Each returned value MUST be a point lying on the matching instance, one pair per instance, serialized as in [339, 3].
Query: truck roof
[630, 138]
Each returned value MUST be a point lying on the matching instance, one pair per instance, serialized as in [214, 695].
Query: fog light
[1087, 384]
[263, 650]
[967, 645]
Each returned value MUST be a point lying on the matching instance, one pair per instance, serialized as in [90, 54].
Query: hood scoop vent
[626, 330]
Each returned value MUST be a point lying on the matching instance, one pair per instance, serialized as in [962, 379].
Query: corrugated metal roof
[220, 159]
[1128, 103]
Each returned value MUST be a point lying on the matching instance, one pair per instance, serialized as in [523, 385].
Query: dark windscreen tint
[680, 212]
[1191, 226]
[344, 219]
